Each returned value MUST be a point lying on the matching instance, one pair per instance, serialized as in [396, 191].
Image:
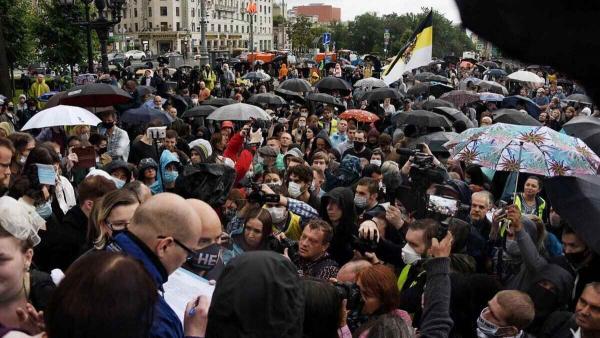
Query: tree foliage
[300, 33]
[61, 41]
[365, 34]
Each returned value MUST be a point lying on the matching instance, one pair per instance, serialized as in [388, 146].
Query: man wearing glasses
[162, 234]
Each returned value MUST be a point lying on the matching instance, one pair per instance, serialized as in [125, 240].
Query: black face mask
[545, 301]
[108, 125]
[359, 145]
[101, 151]
[576, 258]
[206, 258]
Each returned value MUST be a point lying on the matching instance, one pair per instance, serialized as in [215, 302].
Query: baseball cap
[227, 124]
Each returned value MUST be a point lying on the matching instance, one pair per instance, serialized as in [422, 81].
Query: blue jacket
[166, 323]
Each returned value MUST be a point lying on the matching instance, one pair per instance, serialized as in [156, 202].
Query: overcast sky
[352, 8]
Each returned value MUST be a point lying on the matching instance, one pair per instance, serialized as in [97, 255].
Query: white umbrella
[370, 82]
[238, 112]
[525, 76]
[61, 116]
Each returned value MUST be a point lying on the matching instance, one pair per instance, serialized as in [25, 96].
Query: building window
[219, 14]
[231, 28]
[136, 26]
[219, 28]
[135, 12]
[176, 11]
[124, 14]
[178, 26]
[193, 27]
[163, 11]
[212, 27]
[242, 29]
[193, 12]
[225, 27]
[150, 11]
[237, 28]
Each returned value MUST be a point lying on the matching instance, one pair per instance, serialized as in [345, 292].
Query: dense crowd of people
[310, 224]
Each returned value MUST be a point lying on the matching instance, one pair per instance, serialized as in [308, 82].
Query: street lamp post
[109, 12]
[203, 42]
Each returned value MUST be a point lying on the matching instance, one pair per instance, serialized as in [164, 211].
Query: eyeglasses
[189, 251]
[119, 225]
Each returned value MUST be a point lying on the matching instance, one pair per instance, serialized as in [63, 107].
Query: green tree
[339, 35]
[366, 33]
[278, 20]
[448, 38]
[300, 33]
[16, 42]
[61, 42]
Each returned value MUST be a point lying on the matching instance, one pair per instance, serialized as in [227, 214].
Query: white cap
[20, 222]
[587, 111]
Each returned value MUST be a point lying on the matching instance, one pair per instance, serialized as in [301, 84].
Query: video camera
[258, 196]
[363, 245]
[279, 246]
[354, 303]
[423, 173]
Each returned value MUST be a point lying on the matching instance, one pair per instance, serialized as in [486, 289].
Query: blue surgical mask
[118, 182]
[156, 187]
[170, 176]
[44, 210]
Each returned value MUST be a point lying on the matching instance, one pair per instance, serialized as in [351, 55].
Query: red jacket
[242, 157]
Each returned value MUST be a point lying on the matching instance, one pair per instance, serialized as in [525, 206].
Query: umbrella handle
[517, 180]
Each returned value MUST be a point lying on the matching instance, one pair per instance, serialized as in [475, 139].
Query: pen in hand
[192, 311]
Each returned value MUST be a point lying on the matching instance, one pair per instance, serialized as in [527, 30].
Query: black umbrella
[325, 98]
[587, 129]
[332, 83]
[418, 89]
[490, 65]
[296, 85]
[576, 98]
[219, 101]
[143, 115]
[430, 77]
[95, 95]
[453, 114]
[428, 105]
[380, 94]
[495, 73]
[513, 116]
[424, 76]
[199, 111]
[576, 199]
[267, 98]
[421, 118]
[436, 140]
[438, 89]
[290, 95]
[178, 102]
[145, 90]
[256, 77]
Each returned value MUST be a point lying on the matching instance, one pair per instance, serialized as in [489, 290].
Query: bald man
[163, 233]
[207, 262]
[349, 270]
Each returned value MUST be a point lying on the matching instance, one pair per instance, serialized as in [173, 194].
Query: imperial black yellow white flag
[416, 53]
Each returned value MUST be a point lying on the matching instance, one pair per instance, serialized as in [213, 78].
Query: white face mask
[409, 255]
[277, 214]
[301, 124]
[294, 189]
[360, 201]
[376, 162]
[195, 101]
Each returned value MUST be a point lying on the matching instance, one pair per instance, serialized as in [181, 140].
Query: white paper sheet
[184, 286]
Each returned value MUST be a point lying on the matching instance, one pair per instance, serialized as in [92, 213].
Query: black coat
[62, 242]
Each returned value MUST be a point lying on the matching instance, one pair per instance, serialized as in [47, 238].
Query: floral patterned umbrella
[359, 115]
[542, 151]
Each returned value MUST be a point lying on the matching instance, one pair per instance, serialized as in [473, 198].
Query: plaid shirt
[305, 211]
